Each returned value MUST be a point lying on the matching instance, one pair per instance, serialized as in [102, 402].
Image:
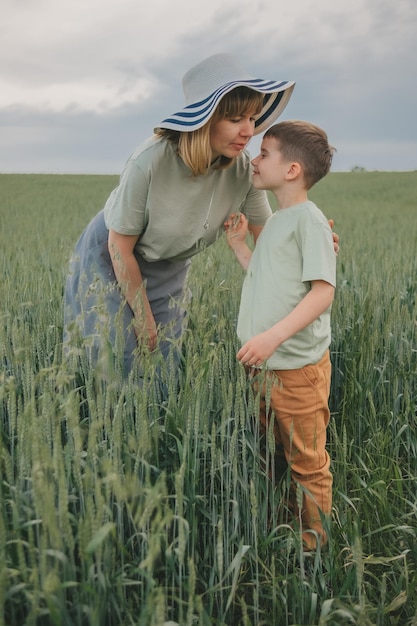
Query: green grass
[121, 508]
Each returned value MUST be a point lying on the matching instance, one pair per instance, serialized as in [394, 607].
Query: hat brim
[194, 116]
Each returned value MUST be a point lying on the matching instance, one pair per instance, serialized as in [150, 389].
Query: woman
[126, 285]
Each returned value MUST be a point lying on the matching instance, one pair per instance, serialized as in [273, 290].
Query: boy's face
[269, 167]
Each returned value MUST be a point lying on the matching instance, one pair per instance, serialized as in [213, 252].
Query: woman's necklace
[206, 224]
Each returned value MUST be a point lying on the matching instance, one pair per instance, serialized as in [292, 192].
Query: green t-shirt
[175, 214]
[294, 248]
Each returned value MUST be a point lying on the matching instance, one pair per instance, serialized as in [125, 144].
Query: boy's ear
[294, 170]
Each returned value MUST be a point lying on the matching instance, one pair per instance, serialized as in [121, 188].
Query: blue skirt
[96, 310]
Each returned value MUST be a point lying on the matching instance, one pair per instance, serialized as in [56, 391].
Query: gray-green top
[175, 214]
[294, 248]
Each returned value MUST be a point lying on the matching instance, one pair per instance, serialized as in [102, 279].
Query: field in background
[121, 507]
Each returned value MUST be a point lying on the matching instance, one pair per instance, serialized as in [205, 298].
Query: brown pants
[297, 401]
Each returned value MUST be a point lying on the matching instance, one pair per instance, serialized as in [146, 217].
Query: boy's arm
[237, 227]
[260, 347]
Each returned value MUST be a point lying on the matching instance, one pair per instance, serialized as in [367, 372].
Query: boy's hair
[306, 144]
[194, 147]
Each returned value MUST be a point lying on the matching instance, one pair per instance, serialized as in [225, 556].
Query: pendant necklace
[206, 224]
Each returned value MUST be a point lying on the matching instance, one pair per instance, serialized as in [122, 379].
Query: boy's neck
[287, 198]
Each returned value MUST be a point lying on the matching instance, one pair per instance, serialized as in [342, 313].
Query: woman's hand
[335, 238]
[146, 331]
[130, 281]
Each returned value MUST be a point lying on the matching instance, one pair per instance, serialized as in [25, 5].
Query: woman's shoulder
[152, 150]
[244, 159]
[241, 168]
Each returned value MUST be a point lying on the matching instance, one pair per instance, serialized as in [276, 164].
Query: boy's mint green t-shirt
[175, 214]
[294, 248]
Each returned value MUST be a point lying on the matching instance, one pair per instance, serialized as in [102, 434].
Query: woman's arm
[130, 280]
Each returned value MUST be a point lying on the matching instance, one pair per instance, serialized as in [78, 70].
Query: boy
[284, 315]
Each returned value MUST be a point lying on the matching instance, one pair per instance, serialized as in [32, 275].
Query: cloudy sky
[82, 83]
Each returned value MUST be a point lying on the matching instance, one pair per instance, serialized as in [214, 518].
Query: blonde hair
[194, 147]
[306, 144]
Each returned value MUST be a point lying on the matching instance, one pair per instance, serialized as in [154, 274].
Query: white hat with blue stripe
[206, 83]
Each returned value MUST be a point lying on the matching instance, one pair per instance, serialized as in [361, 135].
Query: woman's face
[228, 137]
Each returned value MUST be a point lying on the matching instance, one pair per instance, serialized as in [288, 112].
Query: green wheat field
[124, 506]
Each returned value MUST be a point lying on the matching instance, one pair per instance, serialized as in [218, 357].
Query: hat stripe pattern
[273, 102]
[195, 115]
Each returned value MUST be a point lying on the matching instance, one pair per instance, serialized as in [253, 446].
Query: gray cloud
[80, 89]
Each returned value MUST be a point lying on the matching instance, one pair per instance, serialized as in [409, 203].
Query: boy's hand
[257, 350]
[236, 229]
